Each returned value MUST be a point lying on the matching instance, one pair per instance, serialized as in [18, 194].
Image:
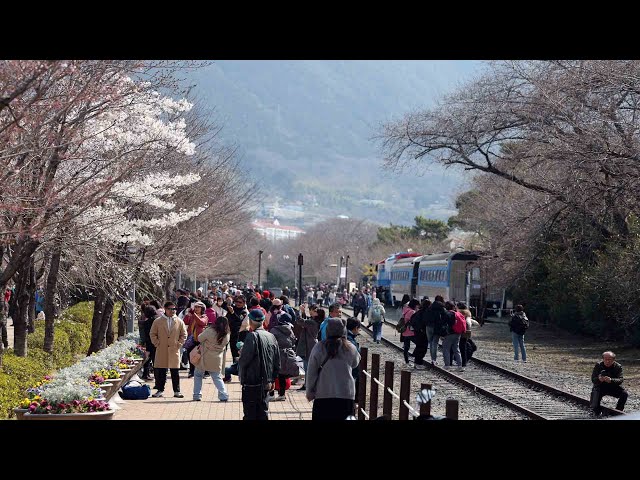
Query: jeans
[518, 341]
[377, 331]
[433, 340]
[407, 346]
[217, 381]
[451, 347]
[230, 370]
[463, 350]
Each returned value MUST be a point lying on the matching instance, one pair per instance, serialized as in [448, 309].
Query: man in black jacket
[437, 321]
[607, 380]
[259, 365]
[236, 314]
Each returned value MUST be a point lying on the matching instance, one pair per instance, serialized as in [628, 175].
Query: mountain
[305, 131]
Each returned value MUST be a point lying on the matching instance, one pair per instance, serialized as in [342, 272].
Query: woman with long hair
[196, 321]
[330, 383]
[213, 341]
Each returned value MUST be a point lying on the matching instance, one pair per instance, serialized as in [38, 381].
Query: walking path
[295, 407]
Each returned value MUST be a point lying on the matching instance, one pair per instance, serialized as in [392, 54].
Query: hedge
[71, 339]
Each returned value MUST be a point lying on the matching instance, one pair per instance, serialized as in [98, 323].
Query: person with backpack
[405, 328]
[376, 316]
[457, 325]
[436, 325]
[518, 325]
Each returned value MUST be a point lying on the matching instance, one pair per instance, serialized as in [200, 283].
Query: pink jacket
[198, 324]
[211, 315]
[406, 314]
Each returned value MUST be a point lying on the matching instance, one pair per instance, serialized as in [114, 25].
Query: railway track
[530, 397]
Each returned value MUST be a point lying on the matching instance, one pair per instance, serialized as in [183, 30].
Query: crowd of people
[270, 343]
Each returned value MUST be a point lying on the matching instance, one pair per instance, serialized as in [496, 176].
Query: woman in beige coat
[168, 334]
[213, 341]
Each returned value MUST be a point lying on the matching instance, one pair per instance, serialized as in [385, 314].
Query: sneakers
[178, 395]
[280, 398]
[524, 361]
[159, 393]
[461, 369]
[197, 399]
[419, 366]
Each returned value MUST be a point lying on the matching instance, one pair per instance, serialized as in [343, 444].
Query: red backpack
[460, 325]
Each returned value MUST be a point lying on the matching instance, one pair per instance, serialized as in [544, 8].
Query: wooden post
[362, 383]
[405, 388]
[375, 373]
[451, 411]
[425, 408]
[387, 405]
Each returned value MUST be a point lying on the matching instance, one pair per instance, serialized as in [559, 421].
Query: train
[454, 275]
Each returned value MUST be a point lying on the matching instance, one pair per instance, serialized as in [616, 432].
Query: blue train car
[386, 286]
[454, 275]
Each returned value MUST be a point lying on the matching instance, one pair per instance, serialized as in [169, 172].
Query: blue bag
[135, 391]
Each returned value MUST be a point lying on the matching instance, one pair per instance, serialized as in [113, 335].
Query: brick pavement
[295, 407]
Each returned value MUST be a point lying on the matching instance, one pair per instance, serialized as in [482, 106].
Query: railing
[424, 397]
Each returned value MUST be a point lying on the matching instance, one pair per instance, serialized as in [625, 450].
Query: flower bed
[76, 389]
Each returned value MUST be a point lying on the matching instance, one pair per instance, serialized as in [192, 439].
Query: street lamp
[260, 252]
[340, 273]
[131, 250]
[346, 273]
[295, 281]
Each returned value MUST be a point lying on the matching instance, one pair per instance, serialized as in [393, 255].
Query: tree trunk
[22, 314]
[96, 321]
[167, 287]
[122, 321]
[31, 289]
[107, 321]
[49, 301]
[110, 332]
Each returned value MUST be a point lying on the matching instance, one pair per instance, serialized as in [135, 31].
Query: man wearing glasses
[168, 334]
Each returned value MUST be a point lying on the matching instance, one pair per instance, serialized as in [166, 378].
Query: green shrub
[18, 374]
[72, 337]
[79, 335]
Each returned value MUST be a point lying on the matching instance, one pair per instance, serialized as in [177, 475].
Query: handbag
[195, 355]
[189, 343]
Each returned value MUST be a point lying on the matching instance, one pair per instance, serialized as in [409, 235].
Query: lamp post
[132, 292]
[295, 281]
[260, 252]
[340, 273]
[346, 273]
[300, 262]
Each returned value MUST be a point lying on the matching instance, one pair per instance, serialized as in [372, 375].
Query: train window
[475, 273]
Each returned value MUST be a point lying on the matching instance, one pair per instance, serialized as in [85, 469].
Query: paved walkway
[295, 407]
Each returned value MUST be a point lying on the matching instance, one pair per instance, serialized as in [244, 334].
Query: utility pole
[300, 262]
[340, 274]
[346, 273]
[260, 252]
